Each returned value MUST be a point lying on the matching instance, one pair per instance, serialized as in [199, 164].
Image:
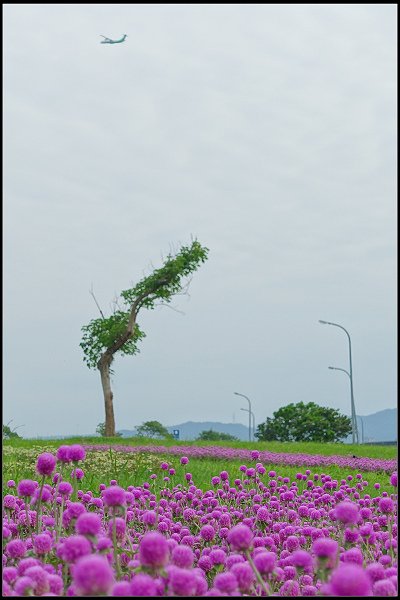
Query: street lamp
[243, 396]
[348, 374]
[353, 409]
[253, 417]
[362, 429]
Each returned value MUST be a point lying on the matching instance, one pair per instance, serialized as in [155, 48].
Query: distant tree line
[292, 423]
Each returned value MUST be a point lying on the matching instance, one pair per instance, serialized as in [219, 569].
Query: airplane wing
[106, 38]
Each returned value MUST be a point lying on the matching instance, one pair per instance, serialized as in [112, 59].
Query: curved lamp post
[362, 423]
[248, 400]
[353, 409]
[253, 417]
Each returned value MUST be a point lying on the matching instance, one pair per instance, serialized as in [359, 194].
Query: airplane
[109, 41]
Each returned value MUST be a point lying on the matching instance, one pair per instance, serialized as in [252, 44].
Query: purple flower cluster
[276, 458]
[243, 537]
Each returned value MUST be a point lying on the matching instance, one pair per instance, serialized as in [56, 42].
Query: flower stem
[114, 534]
[60, 515]
[257, 573]
[38, 516]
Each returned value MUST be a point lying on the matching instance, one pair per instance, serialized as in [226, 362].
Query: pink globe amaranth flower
[289, 571]
[347, 512]
[393, 479]
[62, 454]
[350, 580]
[42, 543]
[309, 590]
[265, 562]
[26, 488]
[121, 588]
[189, 514]
[10, 574]
[301, 559]
[375, 571]
[88, 524]
[10, 502]
[205, 563]
[77, 453]
[153, 550]
[75, 509]
[23, 586]
[207, 533]
[77, 474]
[56, 584]
[292, 543]
[384, 587]
[354, 555]
[16, 548]
[182, 582]
[143, 585]
[46, 496]
[240, 537]
[244, 575]
[182, 556]
[218, 556]
[65, 489]
[226, 583]
[25, 563]
[74, 547]
[46, 463]
[6, 532]
[120, 528]
[104, 544]
[114, 496]
[97, 502]
[351, 535]
[149, 517]
[184, 460]
[40, 580]
[386, 505]
[325, 548]
[290, 588]
[255, 455]
[93, 576]
[263, 514]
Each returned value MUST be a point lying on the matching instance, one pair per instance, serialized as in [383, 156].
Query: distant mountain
[191, 430]
[378, 427]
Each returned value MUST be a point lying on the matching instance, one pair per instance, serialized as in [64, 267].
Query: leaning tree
[105, 337]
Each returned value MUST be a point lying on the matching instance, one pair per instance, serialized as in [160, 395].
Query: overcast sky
[268, 132]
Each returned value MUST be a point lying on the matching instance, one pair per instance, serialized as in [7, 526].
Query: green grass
[19, 458]
[382, 452]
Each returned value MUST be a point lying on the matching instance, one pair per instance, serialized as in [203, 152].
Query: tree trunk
[104, 368]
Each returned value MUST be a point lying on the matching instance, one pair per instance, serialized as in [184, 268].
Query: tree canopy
[153, 429]
[305, 423]
[101, 430]
[9, 434]
[211, 435]
[120, 332]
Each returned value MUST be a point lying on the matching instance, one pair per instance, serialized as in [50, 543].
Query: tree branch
[97, 304]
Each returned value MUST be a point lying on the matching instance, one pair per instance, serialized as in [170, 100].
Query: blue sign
[175, 433]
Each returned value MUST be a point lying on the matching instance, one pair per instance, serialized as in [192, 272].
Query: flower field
[196, 521]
